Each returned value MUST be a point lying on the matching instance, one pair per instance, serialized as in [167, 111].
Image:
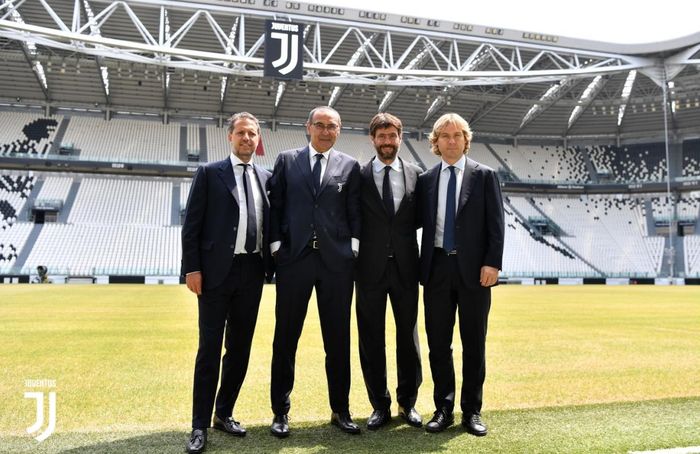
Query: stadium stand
[55, 188]
[356, 145]
[691, 249]
[94, 249]
[11, 243]
[124, 139]
[631, 163]
[536, 255]
[26, 133]
[691, 158]
[583, 236]
[122, 201]
[14, 191]
[608, 231]
[549, 164]
[218, 146]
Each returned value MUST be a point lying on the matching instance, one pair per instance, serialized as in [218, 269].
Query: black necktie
[317, 173]
[448, 239]
[251, 233]
[387, 193]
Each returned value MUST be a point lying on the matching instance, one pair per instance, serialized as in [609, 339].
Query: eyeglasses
[332, 127]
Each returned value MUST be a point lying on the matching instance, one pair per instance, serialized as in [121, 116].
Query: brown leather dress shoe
[411, 416]
[229, 426]
[197, 442]
[474, 425]
[378, 418]
[280, 426]
[442, 419]
[345, 423]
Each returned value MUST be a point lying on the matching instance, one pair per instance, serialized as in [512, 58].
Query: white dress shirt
[395, 178]
[442, 196]
[242, 209]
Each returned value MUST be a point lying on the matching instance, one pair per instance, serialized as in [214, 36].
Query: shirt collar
[313, 152]
[458, 165]
[235, 160]
[378, 166]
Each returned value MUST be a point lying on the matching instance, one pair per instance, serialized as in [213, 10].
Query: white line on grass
[688, 450]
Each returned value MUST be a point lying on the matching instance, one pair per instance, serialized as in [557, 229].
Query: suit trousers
[230, 308]
[371, 323]
[444, 294]
[295, 282]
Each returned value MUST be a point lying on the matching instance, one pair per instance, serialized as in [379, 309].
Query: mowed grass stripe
[582, 360]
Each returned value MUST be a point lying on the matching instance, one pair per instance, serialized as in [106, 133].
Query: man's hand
[194, 282]
[489, 276]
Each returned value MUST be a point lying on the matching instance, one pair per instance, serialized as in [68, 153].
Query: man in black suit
[225, 260]
[461, 253]
[314, 233]
[388, 266]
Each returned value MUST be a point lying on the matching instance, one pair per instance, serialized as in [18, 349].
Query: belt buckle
[314, 244]
[452, 252]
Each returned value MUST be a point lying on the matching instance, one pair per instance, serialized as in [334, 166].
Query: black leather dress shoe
[280, 426]
[442, 419]
[197, 442]
[230, 426]
[411, 417]
[345, 423]
[474, 425]
[378, 418]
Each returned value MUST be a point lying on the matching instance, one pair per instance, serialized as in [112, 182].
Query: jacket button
[233, 246]
[235, 228]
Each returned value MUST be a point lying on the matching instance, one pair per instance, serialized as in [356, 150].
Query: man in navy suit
[461, 253]
[225, 259]
[388, 266]
[314, 234]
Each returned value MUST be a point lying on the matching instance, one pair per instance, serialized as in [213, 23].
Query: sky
[616, 21]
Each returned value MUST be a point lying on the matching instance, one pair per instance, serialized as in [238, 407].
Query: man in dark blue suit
[314, 234]
[461, 254]
[225, 259]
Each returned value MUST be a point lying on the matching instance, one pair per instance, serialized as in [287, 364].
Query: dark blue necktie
[317, 173]
[387, 193]
[448, 239]
[251, 233]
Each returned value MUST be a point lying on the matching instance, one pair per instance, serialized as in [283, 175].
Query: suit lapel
[303, 164]
[368, 176]
[467, 184]
[266, 202]
[432, 193]
[409, 184]
[229, 179]
[331, 167]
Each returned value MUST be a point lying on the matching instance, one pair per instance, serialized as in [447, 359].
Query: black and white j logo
[283, 50]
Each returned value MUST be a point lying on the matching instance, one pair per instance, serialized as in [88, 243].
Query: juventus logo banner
[283, 50]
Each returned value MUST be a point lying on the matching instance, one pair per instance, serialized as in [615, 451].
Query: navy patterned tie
[251, 233]
[317, 173]
[448, 240]
[387, 193]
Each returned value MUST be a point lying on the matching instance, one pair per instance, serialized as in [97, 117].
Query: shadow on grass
[313, 437]
[597, 428]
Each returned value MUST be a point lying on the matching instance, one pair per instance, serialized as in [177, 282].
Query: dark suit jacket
[211, 221]
[479, 228]
[334, 213]
[382, 234]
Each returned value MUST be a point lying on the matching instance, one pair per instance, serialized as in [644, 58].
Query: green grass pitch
[569, 369]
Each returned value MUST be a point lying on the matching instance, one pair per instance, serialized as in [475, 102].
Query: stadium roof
[203, 59]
